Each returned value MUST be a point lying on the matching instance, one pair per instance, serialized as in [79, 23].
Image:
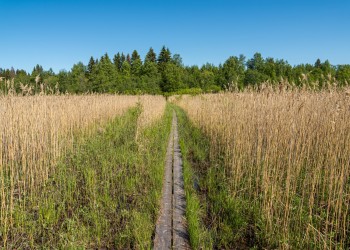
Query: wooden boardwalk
[171, 228]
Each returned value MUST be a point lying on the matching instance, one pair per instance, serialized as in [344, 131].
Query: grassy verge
[104, 194]
[215, 220]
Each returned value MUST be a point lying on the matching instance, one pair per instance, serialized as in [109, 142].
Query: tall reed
[35, 131]
[287, 153]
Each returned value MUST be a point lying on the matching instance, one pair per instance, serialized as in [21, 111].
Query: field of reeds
[265, 168]
[37, 136]
[277, 168]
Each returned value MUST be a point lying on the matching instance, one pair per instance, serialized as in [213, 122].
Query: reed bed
[36, 131]
[287, 154]
[153, 108]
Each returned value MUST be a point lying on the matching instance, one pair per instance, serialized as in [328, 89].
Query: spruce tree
[318, 63]
[151, 56]
[136, 63]
[117, 61]
[105, 76]
[136, 67]
[126, 69]
[106, 58]
[128, 58]
[91, 65]
[150, 69]
[164, 56]
[122, 59]
[38, 69]
[134, 56]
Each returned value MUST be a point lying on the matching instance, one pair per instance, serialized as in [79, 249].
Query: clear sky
[59, 33]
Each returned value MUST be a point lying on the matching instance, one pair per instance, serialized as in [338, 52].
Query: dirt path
[171, 230]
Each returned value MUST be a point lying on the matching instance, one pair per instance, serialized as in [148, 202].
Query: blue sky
[58, 34]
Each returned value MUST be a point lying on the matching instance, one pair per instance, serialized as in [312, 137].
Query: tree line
[166, 73]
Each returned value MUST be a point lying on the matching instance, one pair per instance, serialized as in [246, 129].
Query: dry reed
[287, 153]
[35, 131]
[153, 108]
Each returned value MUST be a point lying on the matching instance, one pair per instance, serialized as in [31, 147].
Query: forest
[165, 73]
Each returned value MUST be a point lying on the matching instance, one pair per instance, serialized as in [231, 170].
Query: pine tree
[151, 56]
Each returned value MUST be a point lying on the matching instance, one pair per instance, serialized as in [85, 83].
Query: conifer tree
[91, 65]
[38, 69]
[136, 67]
[136, 63]
[318, 63]
[128, 58]
[164, 56]
[134, 56]
[117, 61]
[122, 59]
[151, 56]
[126, 69]
[163, 60]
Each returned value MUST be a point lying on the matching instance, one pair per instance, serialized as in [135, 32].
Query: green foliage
[78, 78]
[136, 67]
[233, 72]
[126, 69]
[150, 69]
[177, 60]
[207, 80]
[166, 73]
[253, 77]
[38, 69]
[171, 80]
[343, 74]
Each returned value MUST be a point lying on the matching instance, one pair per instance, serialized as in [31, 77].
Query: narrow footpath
[171, 228]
